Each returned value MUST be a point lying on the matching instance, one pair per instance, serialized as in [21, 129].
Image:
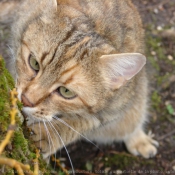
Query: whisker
[49, 138]
[53, 144]
[33, 124]
[62, 121]
[40, 133]
[64, 148]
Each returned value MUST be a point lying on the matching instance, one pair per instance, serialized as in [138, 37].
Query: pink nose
[25, 101]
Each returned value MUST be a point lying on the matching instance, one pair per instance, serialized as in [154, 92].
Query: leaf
[89, 166]
[170, 109]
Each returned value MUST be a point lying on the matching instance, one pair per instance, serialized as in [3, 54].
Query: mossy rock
[19, 147]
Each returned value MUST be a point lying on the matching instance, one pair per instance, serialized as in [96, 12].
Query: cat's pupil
[66, 90]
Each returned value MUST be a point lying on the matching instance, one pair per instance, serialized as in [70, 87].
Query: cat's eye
[66, 93]
[33, 63]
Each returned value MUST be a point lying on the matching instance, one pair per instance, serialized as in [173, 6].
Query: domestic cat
[80, 73]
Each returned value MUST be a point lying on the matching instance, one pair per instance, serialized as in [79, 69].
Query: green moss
[121, 161]
[153, 62]
[6, 83]
[19, 104]
[20, 142]
[154, 44]
[7, 80]
[20, 148]
[162, 79]
[156, 100]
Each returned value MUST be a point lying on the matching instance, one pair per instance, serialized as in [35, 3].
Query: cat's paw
[43, 140]
[141, 144]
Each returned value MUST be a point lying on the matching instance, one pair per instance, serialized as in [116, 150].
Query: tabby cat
[80, 68]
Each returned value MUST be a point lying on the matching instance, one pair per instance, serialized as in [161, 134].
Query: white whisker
[40, 133]
[62, 121]
[53, 144]
[33, 124]
[64, 148]
[49, 138]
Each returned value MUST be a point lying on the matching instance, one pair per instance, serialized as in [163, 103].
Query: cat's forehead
[55, 43]
[59, 47]
[59, 63]
[40, 33]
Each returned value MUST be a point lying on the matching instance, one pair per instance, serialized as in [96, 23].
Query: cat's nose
[26, 101]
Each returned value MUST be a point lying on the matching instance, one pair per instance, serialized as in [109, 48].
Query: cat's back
[117, 21]
[8, 8]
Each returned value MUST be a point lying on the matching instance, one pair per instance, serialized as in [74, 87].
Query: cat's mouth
[27, 119]
[36, 114]
[24, 115]
[28, 116]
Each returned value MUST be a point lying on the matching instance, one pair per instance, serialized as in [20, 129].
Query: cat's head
[62, 69]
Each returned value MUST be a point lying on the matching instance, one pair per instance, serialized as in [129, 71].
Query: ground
[159, 23]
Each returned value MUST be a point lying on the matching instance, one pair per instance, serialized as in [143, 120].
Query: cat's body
[92, 48]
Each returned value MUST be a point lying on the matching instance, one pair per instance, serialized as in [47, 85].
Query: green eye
[33, 63]
[66, 93]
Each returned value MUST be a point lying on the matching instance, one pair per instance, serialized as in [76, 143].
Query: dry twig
[59, 165]
[167, 135]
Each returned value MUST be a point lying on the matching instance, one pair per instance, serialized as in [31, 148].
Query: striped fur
[70, 40]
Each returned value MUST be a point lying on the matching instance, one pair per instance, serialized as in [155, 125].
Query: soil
[159, 23]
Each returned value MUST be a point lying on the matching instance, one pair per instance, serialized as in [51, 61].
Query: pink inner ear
[131, 71]
[121, 67]
[117, 82]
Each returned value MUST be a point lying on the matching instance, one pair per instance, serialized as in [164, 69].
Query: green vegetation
[156, 100]
[170, 109]
[19, 148]
[6, 83]
[120, 160]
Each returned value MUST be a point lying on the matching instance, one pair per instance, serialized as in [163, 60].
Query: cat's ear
[119, 68]
[50, 9]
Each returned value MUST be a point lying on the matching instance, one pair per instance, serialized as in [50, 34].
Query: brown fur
[93, 48]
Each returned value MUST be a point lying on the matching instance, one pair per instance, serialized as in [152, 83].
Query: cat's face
[65, 69]
[57, 75]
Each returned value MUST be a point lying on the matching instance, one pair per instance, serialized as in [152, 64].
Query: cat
[80, 73]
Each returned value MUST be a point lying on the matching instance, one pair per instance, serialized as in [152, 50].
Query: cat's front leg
[44, 138]
[138, 143]
[50, 136]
